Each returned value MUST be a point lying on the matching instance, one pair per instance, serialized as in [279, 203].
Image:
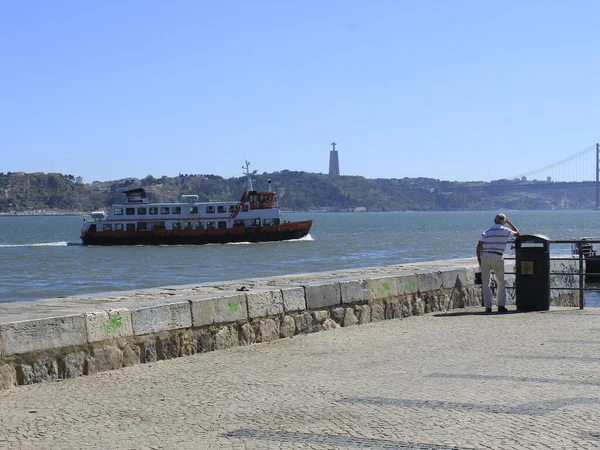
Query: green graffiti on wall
[114, 323]
[385, 288]
[233, 307]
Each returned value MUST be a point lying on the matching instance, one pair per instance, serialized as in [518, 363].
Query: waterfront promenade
[447, 380]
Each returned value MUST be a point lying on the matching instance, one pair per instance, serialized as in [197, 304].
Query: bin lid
[532, 238]
[532, 243]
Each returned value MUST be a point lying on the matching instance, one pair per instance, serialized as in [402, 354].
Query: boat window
[276, 221]
[130, 227]
[266, 222]
[153, 210]
[199, 225]
[176, 225]
[210, 225]
[159, 224]
[238, 223]
[221, 208]
[142, 226]
[142, 211]
[130, 211]
[118, 227]
[118, 211]
[222, 224]
[256, 222]
[210, 209]
[189, 226]
[245, 207]
[176, 210]
[164, 210]
[194, 210]
[107, 227]
[232, 208]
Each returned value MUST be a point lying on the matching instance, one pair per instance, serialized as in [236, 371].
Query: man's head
[500, 219]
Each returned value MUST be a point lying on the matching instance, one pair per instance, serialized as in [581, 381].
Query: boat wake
[39, 244]
[305, 238]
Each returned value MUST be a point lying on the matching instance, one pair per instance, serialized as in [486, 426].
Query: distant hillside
[21, 191]
[296, 191]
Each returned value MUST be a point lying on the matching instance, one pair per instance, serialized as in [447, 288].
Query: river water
[36, 260]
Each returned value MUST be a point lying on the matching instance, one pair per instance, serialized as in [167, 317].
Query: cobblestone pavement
[458, 380]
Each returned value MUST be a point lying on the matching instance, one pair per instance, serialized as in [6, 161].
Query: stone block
[354, 291]
[408, 284]
[8, 376]
[429, 281]
[293, 299]
[287, 327]
[42, 370]
[42, 334]
[154, 319]
[106, 325]
[364, 314]
[148, 351]
[322, 295]
[219, 309]
[337, 314]
[320, 317]
[247, 335]
[382, 288]
[393, 310]
[71, 365]
[267, 330]
[377, 313]
[167, 347]
[349, 318]
[303, 322]
[131, 356]
[204, 342]
[453, 278]
[264, 303]
[187, 343]
[418, 307]
[227, 337]
[104, 359]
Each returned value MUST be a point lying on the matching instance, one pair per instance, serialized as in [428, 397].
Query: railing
[582, 248]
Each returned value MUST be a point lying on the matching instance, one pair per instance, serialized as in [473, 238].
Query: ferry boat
[255, 218]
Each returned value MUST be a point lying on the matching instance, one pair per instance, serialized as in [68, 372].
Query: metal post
[581, 275]
[597, 176]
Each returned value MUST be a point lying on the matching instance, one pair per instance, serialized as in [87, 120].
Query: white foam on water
[37, 244]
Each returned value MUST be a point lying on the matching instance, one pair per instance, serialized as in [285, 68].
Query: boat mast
[247, 173]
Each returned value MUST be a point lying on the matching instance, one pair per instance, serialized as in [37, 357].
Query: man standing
[489, 255]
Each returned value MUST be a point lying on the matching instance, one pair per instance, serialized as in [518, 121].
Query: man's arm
[510, 224]
[478, 251]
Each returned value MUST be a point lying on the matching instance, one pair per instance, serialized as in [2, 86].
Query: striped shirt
[495, 238]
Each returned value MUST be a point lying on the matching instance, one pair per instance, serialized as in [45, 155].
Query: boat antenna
[246, 168]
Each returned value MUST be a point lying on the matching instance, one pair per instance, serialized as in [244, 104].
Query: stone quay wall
[56, 339]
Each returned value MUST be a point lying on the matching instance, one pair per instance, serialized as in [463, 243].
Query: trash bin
[532, 271]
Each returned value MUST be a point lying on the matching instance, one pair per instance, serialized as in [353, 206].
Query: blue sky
[455, 90]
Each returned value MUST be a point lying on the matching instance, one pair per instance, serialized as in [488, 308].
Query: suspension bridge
[581, 169]
[577, 176]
